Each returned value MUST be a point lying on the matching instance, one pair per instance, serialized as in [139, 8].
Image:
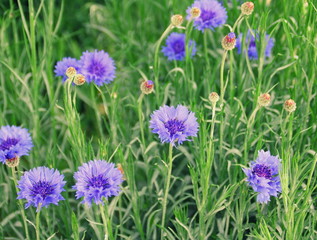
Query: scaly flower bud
[247, 8]
[119, 166]
[70, 72]
[195, 12]
[264, 100]
[79, 79]
[177, 20]
[213, 97]
[13, 162]
[147, 87]
[290, 105]
[229, 41]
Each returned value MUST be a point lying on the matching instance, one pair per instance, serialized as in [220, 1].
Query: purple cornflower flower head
[174, 124]
[15, 142]
[212, 14]
[250, 42]
[175, 47]
[263, 176]
[96, 180]
[97, 66]
[41, 186]
[64, 64]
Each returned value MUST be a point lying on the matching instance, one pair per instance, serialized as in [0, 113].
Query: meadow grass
[207, 197]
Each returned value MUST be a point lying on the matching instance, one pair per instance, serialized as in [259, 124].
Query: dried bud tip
[119, 166]
[213, 97]
[290, 105]
[79, 79]
[195, 12]
[229, 41]
[264, 100]
[70, 72]
[247, 8]
[177, 20]
[147, 87]
[13, 162]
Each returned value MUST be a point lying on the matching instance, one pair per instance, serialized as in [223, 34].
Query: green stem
[249, 128]
[222, 93]
[156, 60]
[20, 205]
[208, 69]
[106, 222]
[238, 21]
[95, 107]
[37, 222]
[166, 187]
[206, 170]
[141, 117]
[222, 67]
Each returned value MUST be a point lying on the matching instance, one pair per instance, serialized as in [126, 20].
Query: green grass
[73, 125]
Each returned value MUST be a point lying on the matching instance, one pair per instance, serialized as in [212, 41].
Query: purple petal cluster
[96, 66]
[174, 125]
[61, 67]
[263, 176]
[212, 15]
[175, 48]
[250, 42]
[96, 180]
[14, 142]
[41, 186]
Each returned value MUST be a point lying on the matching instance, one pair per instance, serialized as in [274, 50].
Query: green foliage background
[105, 123]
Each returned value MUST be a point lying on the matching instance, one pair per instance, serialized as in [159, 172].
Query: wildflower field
[158, 119]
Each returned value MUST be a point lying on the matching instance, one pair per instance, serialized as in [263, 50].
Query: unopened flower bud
[213, 97]
[290, 105]
[229, 41]
[120, 168]
[177, 20]
[70, 72]
[195, 12]
[79, 79]
[247, 8]
[147, 87]
[264, 100]
[13, 162]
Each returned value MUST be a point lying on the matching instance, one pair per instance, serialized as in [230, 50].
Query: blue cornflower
[212, 15]
[96, 180]
[250, 42]
[15, 142]
[263, 176]
[175, 47]
[41, 186]
[97, 66]
[61, 67]
[174, 124]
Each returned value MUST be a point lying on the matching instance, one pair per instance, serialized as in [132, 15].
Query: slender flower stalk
[141, 117]
[206, 170]
[106, 221]
[76, 138]
[189, 66]
[156, 59]
[286, 174]
[166, 187]
[222, 87]
[249, 128]
[20, 203]
[37, 222]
